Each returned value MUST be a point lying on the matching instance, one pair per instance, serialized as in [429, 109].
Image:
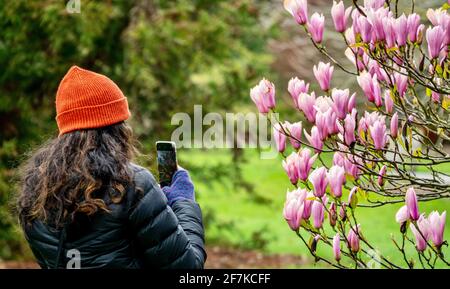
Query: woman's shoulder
[146, 199]
[144, 182]
[142, 176]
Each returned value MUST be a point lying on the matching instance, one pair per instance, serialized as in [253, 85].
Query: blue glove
[181, 187]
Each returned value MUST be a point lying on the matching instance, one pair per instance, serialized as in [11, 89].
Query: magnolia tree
[401, 64]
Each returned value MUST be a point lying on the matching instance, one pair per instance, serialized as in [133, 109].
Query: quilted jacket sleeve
[166, 237]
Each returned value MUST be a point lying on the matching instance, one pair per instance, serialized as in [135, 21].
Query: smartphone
[167, 161]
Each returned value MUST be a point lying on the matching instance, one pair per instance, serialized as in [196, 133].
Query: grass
[241, 219]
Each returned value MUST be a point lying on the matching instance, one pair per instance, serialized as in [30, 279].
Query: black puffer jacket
[140, 232]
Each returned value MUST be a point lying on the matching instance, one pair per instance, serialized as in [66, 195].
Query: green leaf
[446, 102]
[401, 142]
[439, 69]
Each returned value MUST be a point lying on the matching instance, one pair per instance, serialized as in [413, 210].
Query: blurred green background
[168, 56]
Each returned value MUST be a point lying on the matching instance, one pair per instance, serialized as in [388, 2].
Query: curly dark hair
[75, 173]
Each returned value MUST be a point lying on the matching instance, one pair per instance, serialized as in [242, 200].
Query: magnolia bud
[342, 212]
[333, 214]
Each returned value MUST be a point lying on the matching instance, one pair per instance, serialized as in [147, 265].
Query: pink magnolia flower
[374, 68]
[389, 32]
[420, 31]
[374, 4]
[411, 203]
[279, 137]
[319, 180]
[323, 73]
[306, 104]
[351, 102]
[256, 96]
[353, 238]
[340, 16]
[337, 247]
[388, 102]
[305, 163]
[308, 205]
[290, 166]
[322, 125]
[296, 194]
[296, 87]
[435, 96]
[263, 95]
[413, 26]
[401, 30]
[336, 179]
[338, 159]
[298, 9]
[350, 36]
[435, 37]
[295, 130]
[315, 27]
[401, 82]
[348, 130]
[340, 102]
[318, 214]
[323, 103]
[331, 117]
[394, 125]
[293, 208]
[376, 18]
[439, 17]
[351, 166]
[369, 119]
[326, 122]
[422, 234]
[349, 127]
[370, 86]
[355, 23]
[381, 175]
[436, 227]
[402, 215]
[314, 139]
[378, 134]
[365, 29]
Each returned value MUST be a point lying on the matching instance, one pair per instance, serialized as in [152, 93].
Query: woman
[82, 196]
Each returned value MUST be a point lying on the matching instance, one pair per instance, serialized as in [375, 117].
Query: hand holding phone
[167, 161]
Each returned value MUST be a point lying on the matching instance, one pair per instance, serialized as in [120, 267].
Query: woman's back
[141, 231]
[84, 203]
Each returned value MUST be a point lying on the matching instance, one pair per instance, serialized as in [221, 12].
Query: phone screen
[167, 162]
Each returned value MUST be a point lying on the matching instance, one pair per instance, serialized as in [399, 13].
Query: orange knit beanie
[86, 99]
